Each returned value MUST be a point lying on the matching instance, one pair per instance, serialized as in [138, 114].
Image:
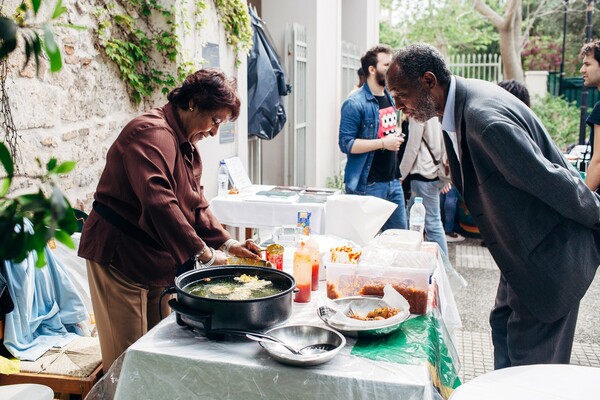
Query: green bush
[560, 118]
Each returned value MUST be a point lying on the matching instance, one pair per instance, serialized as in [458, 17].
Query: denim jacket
[360, 119]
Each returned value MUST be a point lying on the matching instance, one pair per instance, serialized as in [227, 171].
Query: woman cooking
[150, 216]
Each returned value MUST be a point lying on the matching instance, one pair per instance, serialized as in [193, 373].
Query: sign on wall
[227, 133]
[210, 54]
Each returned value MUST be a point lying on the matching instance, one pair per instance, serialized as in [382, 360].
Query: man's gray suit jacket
[538, 218]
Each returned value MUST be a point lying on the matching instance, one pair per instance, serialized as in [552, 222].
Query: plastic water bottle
[222, 179]
[417, 216]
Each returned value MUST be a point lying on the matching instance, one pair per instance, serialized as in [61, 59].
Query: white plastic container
[344, 280]
[400, 239]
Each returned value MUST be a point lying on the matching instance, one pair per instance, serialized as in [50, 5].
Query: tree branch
[487, 12]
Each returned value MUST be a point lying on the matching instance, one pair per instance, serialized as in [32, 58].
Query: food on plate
[377, 314]
[242, 287]
[233, 190]
[345, 255]
[416, 298]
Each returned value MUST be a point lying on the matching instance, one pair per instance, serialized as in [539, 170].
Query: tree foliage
[560, 118]
[510, 27]
[450, 25]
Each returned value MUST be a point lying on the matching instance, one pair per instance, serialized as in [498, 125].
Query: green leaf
[4, 186]
[72, 26]
[51, 164]
[36, 5]
[58, 203]
[58, 10]
[52, 50]
[65, 167]
[8, 36]
[64, 238]
[41, 260]
[6, 160]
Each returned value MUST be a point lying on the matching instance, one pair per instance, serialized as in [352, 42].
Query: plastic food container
[400, 239]
[344, 280]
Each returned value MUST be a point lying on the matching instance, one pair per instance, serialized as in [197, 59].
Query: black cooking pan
[253, 314]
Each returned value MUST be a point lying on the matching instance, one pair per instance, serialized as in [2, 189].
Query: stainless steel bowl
[369, 302]
[300, 336]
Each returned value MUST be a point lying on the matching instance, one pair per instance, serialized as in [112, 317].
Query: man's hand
[392, 142]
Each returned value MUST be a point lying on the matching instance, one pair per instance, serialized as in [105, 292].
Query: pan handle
[169, 290]
[185, 310]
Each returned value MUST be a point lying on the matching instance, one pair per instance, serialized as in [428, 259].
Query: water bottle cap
[222, 162]
[419, 200]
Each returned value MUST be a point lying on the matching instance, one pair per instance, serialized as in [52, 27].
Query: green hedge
[560, 118]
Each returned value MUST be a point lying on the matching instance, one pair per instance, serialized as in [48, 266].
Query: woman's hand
[248, 249]
[220, 258]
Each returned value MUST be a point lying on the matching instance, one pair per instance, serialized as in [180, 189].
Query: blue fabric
[359, 120]
[390, 191]
[430, 192]
[449, 203]
[47, 306]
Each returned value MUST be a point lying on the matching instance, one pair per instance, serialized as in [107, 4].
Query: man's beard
[424, 108]
[380, 78]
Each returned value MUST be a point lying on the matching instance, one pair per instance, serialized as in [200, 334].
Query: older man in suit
[538, 218]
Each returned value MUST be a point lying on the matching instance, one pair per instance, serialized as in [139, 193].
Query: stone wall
[76, 113]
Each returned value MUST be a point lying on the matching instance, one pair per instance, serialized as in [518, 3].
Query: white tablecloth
[172, 362]
[245, 210]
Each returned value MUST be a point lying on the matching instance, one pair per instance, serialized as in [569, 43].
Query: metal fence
[571, 90]
[487, 67]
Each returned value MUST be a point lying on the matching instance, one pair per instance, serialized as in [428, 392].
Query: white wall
[360, 23]
[327, 23]
[322, 20]
[210, 149]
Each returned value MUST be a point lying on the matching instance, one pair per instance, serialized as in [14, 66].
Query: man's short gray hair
[414, 60]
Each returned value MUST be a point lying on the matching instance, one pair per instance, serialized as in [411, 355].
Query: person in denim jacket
[370, 137]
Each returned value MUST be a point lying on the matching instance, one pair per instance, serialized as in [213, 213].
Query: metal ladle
[314, 348]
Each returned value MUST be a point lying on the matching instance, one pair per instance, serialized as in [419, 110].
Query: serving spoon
[314, 348]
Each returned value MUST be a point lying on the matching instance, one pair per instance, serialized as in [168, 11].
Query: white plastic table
[29, 391]
[533, 382]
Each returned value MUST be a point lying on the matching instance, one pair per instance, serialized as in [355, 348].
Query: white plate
[370, 303]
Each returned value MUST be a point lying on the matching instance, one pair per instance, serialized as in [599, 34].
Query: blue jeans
[430, 192]
[449, 202]
[390, 191]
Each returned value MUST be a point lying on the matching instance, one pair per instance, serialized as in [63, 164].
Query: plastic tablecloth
[174, 362]
[245, 210]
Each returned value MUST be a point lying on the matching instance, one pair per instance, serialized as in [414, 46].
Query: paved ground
[474, 344]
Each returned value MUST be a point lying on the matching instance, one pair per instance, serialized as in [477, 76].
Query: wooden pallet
[63, 384]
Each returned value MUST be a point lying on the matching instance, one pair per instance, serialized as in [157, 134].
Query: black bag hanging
[266, 84]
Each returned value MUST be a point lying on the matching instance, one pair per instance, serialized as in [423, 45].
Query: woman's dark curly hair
[517, 89]
[209, 90]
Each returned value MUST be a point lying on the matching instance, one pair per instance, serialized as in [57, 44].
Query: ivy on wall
[234, 16]
[140, 37]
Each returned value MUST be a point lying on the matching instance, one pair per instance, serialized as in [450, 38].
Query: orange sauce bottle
[302, 274]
